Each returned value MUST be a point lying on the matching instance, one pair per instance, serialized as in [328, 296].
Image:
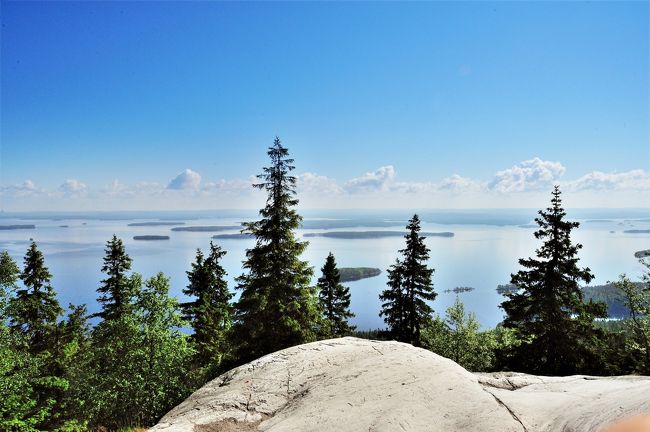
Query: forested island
[350, 274]
[642, 254]
[16, 227]
[459, 290]
[154, 224]
[151, 237]
[352, 235]
[208, 228]
[637, 231]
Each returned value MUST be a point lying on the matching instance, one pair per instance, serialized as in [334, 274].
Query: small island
[151, 237]
[238, 236]
[154, 224]
[16, 227]
[637, 231]
[210, 228]
[642, 253]
[350, 274]
[459, 290]
[351, 235]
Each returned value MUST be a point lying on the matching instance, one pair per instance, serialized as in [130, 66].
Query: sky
[171, 105]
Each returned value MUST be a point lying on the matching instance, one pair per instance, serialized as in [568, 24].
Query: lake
[482, 253]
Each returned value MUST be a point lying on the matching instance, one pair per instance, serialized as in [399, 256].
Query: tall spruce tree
[405, 308]
[277, 308]
[210, 312]
[34, 310]
[548, 312]
[334, 300]
[116, 293]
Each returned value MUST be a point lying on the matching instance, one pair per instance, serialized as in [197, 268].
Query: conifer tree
[34, 310]
[405, 308]
[277, 308]
[334, 300]
[210, 313]
[9, 275]
[548, 312]
[116, 292]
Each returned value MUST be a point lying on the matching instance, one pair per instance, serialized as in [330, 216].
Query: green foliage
[138, 373]
[637, 300]
[334, 301]
[405, 308]
[9, 273]
[210, 313]
[549, 314]
[458, 338]
[277, 307]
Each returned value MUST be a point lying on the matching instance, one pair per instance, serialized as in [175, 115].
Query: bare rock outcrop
[355, 385]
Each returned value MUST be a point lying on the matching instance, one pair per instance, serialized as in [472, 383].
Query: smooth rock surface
[355, 385]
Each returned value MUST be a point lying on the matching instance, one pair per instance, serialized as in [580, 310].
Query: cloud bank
[526, 184]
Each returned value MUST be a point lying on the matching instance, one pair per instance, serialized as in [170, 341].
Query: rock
[355, 385]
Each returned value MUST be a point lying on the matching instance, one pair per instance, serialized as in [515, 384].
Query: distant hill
[607, 293]
[349, 274]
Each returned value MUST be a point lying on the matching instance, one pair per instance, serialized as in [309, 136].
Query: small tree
[410, 288]
[210, 312]
[9, 274]
[458, 337]
[548, 311]
[637, 300]
[334, 300]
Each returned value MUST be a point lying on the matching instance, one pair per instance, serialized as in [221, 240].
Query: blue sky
[438, 104]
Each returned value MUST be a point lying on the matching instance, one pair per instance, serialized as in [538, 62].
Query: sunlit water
[478, 256]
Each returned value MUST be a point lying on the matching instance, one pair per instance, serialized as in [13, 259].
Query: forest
[122, 368]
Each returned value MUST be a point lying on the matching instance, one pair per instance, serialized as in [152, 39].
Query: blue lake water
[482, 254]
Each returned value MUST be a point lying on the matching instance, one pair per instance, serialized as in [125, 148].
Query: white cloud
[459, 184]
[630, 180]
[188, 179]
[377, 180]
[73, 188]
[530, 175]
[314, 183]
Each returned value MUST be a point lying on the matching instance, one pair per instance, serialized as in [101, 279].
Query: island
[349, 235]
[64, 226]
[151, 237]
[153, 224]
[16, 227]
[210, 228]
[637, 231]
[238, 236]
[459, 290]
[642, 254]
[350, 274]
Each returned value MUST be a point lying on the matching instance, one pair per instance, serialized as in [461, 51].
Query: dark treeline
[59, 373]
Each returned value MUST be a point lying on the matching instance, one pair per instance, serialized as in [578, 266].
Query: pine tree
[116, 293]
[548, 311]
[277, 307]
[405, 308]
[210, 313]
[334, 300]
[34, 310]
